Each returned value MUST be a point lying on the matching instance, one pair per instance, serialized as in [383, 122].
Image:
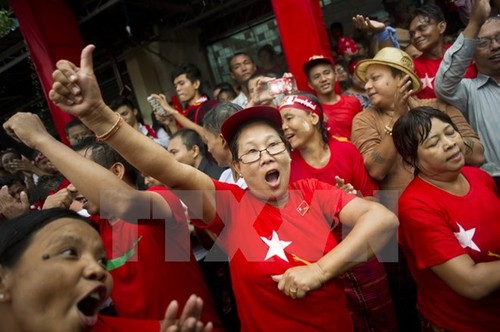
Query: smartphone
[156, 105]
[282, 86]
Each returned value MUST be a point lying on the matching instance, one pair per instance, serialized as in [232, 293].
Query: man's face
[242, 68]
[426, 33]
[218, 148]
[180, 152]
[322, 79]
[185, 89]
[487, 56]
[77, 132]
[128, 114]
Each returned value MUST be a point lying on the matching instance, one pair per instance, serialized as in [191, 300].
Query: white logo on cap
[290, 100]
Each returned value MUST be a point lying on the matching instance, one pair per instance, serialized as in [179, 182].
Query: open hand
[189, 320]
[364, 23]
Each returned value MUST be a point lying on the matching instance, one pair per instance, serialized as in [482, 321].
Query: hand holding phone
[156, 105]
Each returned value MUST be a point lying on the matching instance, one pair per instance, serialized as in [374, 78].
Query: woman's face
[269, 176]
[442, 151]
[381, 86]
[60, 281]
[299, 126]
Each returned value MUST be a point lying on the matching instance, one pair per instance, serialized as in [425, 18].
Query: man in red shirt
[427, 31]
[339, 110]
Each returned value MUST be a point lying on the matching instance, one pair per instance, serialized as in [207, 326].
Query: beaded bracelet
[112, 130]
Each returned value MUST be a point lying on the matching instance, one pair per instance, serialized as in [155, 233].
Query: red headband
[302, 103]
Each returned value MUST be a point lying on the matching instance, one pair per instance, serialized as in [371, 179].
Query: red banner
[51, 33]
[303, 34]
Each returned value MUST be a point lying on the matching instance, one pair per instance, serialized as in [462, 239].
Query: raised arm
[385, 35]
[75, 90]
[449, 84]
[92, 180]
[180, 118]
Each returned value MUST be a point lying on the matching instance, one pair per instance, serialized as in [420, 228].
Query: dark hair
[9, 179]
[492, 19]
[269, 49]
[122, 101]
[413, 128]
[16, 234]
[192, 73]
[73, 123]
[431, 12]
[190, 138]
[268, 74]
[10, 150]
[233, 145]
[226, 87]
[46, 185]
[106, 156]
[214, 118]
[337, 25]
[234, 56]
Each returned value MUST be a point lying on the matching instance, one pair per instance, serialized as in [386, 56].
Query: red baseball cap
[315, 60]
[233, 123]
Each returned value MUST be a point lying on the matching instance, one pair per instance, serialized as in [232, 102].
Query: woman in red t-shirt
[276, 289]
[449, 226]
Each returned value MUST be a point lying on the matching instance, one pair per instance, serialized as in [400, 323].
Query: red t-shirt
[427, 69]
[339, 115]
[118, 324]
[244, 224]
[345, 162]
[435, 227]
[152, 264]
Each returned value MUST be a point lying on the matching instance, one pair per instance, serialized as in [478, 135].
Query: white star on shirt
[427, 82]
[276, 247]
[464, 237]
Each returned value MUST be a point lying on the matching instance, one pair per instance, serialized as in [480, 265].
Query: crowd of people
[369, 203]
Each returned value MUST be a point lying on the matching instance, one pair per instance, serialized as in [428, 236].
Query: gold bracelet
[388, 130]
[112, 130]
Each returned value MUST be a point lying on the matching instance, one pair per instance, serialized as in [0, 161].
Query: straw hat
[392, 57]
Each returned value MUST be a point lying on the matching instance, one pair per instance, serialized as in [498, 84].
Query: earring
[2, 296]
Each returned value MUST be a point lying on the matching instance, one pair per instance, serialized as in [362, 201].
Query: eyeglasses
[254, 154]
[339, 70]
[486, 42]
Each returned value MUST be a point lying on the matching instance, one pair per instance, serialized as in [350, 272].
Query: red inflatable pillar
[51, 33]
[303, 34]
